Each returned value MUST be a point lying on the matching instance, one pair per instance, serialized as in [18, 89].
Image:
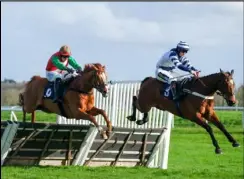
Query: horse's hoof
[104, 135]
[236, 144]
[218, 151]
[140, 122]
[131, 118]
[108, 133]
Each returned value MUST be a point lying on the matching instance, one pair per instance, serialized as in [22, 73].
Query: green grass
[40, 116]
[230, 118]
[191, 155]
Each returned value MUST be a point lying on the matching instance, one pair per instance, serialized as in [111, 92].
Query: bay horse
[195, 104]
[78, 100]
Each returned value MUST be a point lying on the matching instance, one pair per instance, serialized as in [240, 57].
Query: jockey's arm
[58, 64]
[187, 64]
[179, 65]
[74, 64]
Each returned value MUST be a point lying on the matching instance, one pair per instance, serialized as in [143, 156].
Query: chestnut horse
[78, 100]
[195, 104]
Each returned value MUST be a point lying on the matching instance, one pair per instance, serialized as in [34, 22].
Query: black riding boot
[57, 85]
[174, 90]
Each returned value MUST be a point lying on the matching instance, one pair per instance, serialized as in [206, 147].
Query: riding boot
[57, 85]
[174, 90]
[165, 89]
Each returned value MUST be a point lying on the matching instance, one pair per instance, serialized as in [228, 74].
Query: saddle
[167, 92]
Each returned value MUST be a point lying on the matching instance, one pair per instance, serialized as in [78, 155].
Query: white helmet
[182, 46]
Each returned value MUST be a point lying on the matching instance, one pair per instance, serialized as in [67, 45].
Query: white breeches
[53, 75]
[165, 76]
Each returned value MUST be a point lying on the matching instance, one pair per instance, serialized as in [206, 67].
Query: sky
[127, 37]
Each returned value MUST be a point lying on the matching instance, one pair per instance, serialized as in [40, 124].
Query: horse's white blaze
[231, 81]
[103, 76]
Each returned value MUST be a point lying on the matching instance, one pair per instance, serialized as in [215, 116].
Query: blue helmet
[182, 46]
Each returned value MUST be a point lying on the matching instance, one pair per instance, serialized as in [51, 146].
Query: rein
[81, 91]
[196, 93]
[74, 75]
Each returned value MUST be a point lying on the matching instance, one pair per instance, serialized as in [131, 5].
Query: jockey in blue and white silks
[175, 58]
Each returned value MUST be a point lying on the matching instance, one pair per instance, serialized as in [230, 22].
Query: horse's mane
[93, 66]
[218, 73]
[210, 75]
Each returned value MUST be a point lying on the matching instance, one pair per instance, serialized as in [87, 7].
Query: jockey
[169, 61]
[57, 67]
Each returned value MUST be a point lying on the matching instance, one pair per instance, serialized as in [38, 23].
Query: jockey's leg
[173, 84]
[174, 90]
[164, 76]
[56, 77]
[57, 95]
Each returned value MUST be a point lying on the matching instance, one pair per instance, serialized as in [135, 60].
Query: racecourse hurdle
[44, 143]
[55, 144]
[118, 105]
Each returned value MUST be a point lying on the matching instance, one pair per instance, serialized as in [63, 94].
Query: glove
[79, 70]
[70, 70]
[195, 73]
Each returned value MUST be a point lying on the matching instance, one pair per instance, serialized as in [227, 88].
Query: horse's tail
[21, 95]
[21, 99]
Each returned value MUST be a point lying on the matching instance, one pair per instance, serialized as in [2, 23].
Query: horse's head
[98, 78]
[226, 86]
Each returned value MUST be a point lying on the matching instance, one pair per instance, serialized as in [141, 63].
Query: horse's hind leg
[214, 119]
[24, 114]
[133, 116]
[200, 121]
[143, 120]
[21, 103]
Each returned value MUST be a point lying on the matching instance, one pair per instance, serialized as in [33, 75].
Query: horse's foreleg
[83, 115]
[133, 116]
[200, 121]
[214, 119]
[95, 111]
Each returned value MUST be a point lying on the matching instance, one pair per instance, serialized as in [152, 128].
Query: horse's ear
[231, 72]
[104, 67]
[221, 71]
[94, 67]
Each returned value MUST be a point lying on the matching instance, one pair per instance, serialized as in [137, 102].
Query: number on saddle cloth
[49, 90]
[166, 91]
